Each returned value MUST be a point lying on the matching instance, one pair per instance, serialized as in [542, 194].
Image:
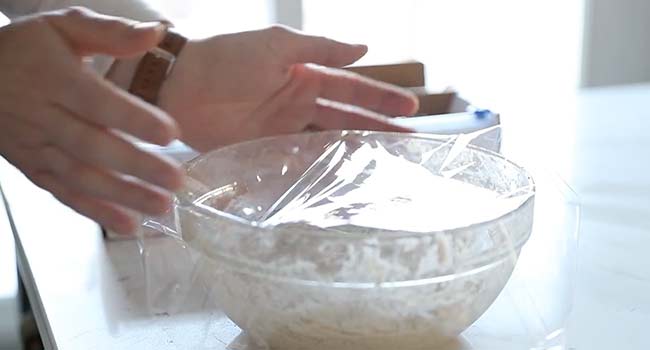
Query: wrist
[155, 67]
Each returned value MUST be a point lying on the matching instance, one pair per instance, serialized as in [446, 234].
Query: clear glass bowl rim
[182, 201]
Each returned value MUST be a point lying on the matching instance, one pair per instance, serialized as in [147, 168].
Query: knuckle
[278, 30]
[77, 12]
[276, 41]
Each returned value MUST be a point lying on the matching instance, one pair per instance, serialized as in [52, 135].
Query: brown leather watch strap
[173, 42]
[155, 66]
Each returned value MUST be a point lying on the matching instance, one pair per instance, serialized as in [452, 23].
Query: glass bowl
[274, 223]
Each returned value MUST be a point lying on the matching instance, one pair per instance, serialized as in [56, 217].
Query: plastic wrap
[364, 240]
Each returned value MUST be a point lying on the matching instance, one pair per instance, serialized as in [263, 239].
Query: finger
[102, 103]
[104, 149]
[88, 32]
[302, 48]
[351, 88]
[101, 184]
[335, 116]
[85, 179]
[297, 106]
[106, 214]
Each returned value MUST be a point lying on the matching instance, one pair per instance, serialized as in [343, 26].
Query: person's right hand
[236, 87]
[58, 120]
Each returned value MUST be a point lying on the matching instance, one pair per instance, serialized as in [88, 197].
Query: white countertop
[88, 293]
[611, 172]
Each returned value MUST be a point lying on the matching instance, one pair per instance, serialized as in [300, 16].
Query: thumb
[88, 33]
[302, 48]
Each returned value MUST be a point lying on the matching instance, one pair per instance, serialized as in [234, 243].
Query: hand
[62, 125]
[236, 87]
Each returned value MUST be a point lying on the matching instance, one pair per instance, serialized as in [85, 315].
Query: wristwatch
[156, 65]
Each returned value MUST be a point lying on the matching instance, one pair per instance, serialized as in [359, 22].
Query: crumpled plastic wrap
[364, 240]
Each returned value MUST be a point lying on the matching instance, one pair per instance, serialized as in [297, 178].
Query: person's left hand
[236, 87]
